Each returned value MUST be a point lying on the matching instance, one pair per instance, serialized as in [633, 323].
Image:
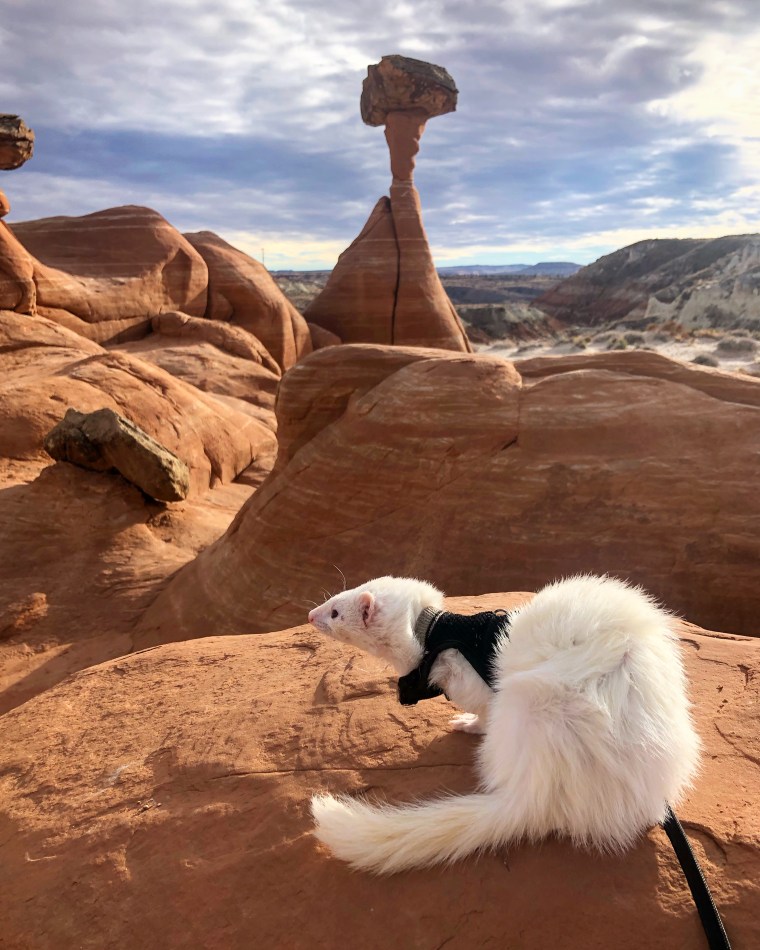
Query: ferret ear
[367, 606]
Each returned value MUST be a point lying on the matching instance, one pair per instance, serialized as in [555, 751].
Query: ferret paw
[467, 722]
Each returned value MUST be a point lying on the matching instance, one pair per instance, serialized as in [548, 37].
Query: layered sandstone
[105, 275]
[17, 288]
[180, 778]
[385, 287]
[462, 470]
[242, 291]
[215, 357]
[84, 552]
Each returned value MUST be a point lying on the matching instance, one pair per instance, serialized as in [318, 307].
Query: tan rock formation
[179, 779]
[82, 552]
[17, 288]
[232, 339]
[217, 358]
[16, 141]
[242, 290]
[459, 470]
[104, 441]
[320, 338]
[385, 288]
[47, 369]
[107, 274]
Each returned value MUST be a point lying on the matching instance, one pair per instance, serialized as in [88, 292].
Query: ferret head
[379, 617]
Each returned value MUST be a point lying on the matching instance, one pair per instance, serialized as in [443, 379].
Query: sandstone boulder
[16, 142]
[320, 338]
[400, 84]
[104, 441]
[107, 274]
[461, 470]
[179, 778]
[242, 291]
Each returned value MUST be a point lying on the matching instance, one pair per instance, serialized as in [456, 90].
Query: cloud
[578, 120]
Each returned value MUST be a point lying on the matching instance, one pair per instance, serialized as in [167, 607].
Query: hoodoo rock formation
[385, 288]
[479, 474]
[180, 778]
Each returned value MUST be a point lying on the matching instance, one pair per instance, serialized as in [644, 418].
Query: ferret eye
[334, 613]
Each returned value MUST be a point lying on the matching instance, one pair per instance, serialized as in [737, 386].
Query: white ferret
[586, 731]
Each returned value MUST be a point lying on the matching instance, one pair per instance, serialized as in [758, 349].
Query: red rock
[231, 339]
[17, 289]
[385, 287]
[320, 338]
[242, 290]
[456, 469]
[106, 274]
[218, 358]
[178, 779]
[84, 553]
[47, 369]
[16, 141]
[326, 386]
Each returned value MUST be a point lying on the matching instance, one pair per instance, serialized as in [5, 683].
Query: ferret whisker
[341, 574]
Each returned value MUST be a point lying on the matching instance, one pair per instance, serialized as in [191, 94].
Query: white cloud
[725, 101]
[579, 123]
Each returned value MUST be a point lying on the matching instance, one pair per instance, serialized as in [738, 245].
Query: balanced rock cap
[401, 84]
[16, 142]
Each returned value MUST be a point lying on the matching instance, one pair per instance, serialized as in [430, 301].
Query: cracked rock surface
[179, 778]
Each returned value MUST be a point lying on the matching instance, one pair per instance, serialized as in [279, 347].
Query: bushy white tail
[386, 839]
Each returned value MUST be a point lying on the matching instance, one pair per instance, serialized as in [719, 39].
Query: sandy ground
[725, 350]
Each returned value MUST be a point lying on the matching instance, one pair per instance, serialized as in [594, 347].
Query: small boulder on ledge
[103, 440]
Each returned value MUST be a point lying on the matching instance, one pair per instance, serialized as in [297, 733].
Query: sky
[582, 126]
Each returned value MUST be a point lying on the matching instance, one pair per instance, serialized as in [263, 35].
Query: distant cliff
[696, 283]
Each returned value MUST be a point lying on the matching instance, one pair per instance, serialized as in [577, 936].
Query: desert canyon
[188, 461]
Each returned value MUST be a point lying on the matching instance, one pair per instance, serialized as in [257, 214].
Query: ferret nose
[311, 615]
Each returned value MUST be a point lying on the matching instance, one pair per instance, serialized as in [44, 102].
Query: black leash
[700, 892]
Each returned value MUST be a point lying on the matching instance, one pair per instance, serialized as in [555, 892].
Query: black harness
[476, 637]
